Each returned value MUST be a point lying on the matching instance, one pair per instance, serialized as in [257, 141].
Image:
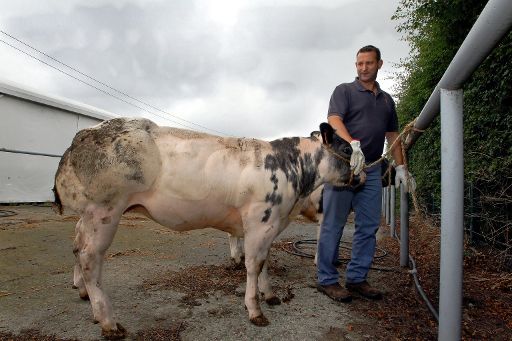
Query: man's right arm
[357, 157]
[337, 124]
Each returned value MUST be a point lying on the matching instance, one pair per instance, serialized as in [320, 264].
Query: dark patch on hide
[309, 174]
[274, 198]
[300, 170]
[95, 150]
[274, 180]
[284, 157]
[127, 154]
[266, 217]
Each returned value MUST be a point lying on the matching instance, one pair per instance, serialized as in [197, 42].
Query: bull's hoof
[117, 334]
[85, 296]
[260, 321]
[74, 286]
[237, 266]
[273, 301]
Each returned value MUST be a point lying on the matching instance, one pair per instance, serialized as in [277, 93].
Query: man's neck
[369, 85]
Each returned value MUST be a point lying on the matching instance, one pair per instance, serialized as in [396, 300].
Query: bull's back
[197, 166]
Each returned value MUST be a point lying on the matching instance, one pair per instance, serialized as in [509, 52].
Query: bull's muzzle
[356, 180]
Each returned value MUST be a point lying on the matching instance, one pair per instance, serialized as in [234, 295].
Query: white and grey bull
[186, 180]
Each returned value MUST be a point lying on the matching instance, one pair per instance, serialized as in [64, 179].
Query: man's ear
[327, 133]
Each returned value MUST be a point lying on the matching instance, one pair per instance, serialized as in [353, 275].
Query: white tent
[35, 130]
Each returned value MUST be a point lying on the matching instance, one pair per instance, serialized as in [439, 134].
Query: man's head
[368, 63]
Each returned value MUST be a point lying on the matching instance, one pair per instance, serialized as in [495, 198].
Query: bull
[187, 180]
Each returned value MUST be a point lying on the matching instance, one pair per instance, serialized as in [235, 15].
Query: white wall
[32, 122]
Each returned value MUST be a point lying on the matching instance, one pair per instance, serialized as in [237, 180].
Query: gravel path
[164, 285]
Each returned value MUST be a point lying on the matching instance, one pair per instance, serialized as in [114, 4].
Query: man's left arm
[396, 152]
[402, 174]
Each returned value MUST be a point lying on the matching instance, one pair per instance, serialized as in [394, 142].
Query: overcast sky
[253, 68]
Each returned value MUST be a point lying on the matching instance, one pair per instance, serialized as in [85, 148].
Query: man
[364, 115]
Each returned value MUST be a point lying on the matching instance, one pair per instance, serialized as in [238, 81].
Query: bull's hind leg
[78, 281]
[95, 234]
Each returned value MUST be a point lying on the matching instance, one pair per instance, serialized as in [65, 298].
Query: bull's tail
[57, 204]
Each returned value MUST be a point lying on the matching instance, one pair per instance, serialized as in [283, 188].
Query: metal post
[404, 227]
[452, 215]
[392, 212]
[382, 208]
[385, 212]
[388, 208]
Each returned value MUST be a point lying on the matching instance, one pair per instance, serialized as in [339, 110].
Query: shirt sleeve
[339, 103]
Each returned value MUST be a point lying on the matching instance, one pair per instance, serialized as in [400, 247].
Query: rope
[400, 138]
[408, 128]
[6, 213]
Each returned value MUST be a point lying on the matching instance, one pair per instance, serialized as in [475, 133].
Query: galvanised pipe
[404, 227]
[392, 220]
[452, 216]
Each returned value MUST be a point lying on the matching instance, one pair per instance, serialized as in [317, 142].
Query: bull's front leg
[97, 231]
[266, 287]
[257, 241]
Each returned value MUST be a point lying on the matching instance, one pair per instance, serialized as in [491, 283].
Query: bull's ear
[315, 135]
[327, 133]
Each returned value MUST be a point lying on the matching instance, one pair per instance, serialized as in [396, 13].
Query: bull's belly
[186, 215]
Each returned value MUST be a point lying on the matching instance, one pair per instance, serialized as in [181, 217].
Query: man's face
[367, 66]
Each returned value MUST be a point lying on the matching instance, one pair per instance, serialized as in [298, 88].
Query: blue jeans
[337, 201]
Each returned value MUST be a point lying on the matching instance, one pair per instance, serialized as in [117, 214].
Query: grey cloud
[164, 53]
[142, 50]
[314, 27]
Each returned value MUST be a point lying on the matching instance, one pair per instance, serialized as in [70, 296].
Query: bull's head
[341, 152]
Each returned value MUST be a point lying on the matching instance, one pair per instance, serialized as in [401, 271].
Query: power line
[103, 84]
[84, 82]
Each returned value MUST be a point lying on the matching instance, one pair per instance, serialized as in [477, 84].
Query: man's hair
[369, 48]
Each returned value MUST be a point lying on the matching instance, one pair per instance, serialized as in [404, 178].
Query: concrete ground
[142, 275]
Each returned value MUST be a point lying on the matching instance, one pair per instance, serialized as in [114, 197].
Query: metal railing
[492, 25]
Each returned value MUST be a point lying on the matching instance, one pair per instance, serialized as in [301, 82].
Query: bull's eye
[347, 150]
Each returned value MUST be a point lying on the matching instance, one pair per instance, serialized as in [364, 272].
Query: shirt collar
[360, 86]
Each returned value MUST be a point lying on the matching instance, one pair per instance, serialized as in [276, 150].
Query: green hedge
[435, 30]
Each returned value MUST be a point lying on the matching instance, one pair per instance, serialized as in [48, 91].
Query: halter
[344, 159]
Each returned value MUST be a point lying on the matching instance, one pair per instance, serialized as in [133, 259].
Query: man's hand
[403, 176]
[357, 158]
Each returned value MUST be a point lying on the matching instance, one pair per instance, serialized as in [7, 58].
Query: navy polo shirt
[366, 115]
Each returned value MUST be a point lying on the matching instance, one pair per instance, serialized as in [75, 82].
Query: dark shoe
[335, 292]
[364, 289]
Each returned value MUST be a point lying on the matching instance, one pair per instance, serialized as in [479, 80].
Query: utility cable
[84, 82]
[414, 272]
